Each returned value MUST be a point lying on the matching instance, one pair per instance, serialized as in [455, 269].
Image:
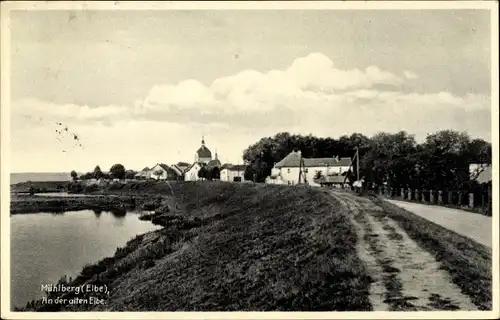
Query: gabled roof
[146, 169]
[201, 164]
[182, 164]
[168, 168]
[293, 160]
[177, 170]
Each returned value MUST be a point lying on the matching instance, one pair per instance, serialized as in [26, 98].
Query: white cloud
[310, 96]
[410, 75]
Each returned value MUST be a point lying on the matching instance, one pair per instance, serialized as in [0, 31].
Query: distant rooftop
[293, 160]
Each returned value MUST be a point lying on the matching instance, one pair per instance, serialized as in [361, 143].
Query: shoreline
[200, 219]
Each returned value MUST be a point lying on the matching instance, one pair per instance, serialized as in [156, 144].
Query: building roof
[214, 163]
[146, 169]
[201, 164]
[293, 160]
[331, 179]
[204, 152]
[238, 167]
[177, 170]
[181, 164]
[226, 165]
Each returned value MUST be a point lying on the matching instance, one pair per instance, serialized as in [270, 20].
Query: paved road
[472, 225]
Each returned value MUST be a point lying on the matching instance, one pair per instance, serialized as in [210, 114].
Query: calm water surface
[46, 246]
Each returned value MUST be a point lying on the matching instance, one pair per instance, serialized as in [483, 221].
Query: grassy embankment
[39, 186]
[468, 262]
[228, 246]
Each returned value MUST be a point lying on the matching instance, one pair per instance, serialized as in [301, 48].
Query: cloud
[410, 75]
[310, 96]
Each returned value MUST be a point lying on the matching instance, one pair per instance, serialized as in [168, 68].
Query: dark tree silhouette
[117, 171]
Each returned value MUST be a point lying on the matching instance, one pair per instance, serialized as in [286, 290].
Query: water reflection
[46, 246]
[97, 212]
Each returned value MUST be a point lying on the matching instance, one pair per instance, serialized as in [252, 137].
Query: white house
[163, 172]
[288, 169]
[231, 172]
[480, 172]
[191, 173]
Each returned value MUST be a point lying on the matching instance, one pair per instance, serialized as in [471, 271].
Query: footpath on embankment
[472, 225]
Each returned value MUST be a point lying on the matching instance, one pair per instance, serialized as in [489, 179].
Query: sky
[142, 87]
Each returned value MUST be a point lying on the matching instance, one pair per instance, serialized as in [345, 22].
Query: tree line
[394, 159]
[117, 171]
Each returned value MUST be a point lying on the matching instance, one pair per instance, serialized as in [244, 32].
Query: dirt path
[406, 277]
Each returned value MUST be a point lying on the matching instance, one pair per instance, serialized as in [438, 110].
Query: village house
[231, 172]
[288, 169]
[143, 174]
[164, 172]
[184, 166]
[480, 172]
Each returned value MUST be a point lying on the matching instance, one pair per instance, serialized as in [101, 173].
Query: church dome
[204, 152]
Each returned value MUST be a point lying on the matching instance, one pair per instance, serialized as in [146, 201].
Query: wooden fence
[477, 201]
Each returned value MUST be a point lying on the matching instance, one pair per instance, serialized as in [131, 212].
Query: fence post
[440, 197]
[402, 193]
[409, 194]
[417, 194]
[450, 197]
[423, 196]
[471, 200]
[381, 190]
[460, 198]
[431, 196]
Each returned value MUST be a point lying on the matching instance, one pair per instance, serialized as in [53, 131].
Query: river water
[46, 246]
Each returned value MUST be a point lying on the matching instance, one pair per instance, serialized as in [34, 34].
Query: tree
[97, 173]
[202, 173]
[216, 173]
[158, 173]
[117, 171]
[248, 174]
[130, 174]
[74, 175]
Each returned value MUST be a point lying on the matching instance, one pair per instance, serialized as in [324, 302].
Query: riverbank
[22, 204]
[257, 247]
[227, 246]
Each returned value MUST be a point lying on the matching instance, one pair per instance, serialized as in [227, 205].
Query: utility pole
[302, 170]
[357, 163]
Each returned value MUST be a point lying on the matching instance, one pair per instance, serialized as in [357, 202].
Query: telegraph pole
[357, 163]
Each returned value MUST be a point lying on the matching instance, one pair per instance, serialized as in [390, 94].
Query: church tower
[203, 154]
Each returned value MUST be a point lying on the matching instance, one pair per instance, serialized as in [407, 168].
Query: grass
[468, 262]
[29, 204]
[252, 248]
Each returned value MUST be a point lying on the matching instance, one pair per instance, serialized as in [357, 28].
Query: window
[306, 170]
[288, 170]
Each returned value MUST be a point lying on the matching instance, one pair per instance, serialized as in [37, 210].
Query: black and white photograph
[334, 160]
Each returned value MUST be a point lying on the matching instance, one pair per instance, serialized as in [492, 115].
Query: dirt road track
[406, 277]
